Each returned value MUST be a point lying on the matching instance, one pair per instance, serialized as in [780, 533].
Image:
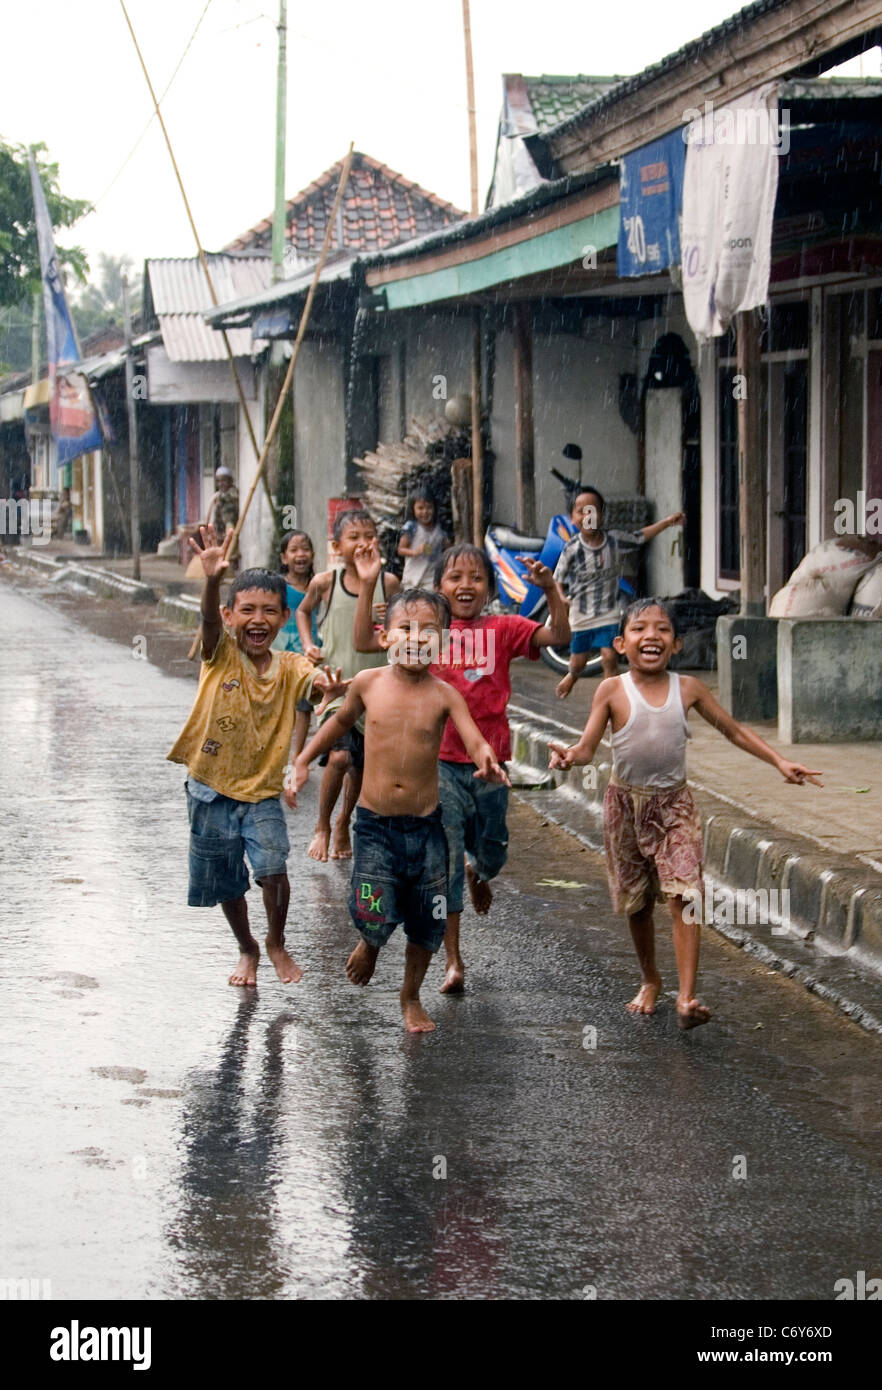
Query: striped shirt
[589, 576]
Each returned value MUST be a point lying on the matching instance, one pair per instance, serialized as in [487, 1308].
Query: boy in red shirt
[480, 652]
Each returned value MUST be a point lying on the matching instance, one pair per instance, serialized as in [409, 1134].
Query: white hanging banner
[729, 190]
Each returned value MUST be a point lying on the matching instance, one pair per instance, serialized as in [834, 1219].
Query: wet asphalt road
[167, 1136]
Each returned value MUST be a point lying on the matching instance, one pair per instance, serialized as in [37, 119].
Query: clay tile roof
[380, 209]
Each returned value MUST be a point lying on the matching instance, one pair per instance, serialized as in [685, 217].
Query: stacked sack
[833, 575]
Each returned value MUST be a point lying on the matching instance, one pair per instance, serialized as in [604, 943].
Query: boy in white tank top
[651, 830]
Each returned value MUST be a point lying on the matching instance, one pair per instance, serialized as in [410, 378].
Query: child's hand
[313, 653]
[561, 757]
[299, 779]
[213, 556]
[331, 685]
[368, 561]
[539, 574]
[795, 772]
[488, 769]
[677, 519]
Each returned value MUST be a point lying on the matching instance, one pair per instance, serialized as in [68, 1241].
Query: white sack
[823, 582]
[866, 601]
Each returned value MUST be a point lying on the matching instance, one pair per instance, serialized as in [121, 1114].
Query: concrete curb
[182, 610]
[830, 939]
[103, 583]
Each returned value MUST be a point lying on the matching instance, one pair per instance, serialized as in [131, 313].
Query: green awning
[547, 251]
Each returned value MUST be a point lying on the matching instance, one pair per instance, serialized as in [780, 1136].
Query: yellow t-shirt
[238, 737]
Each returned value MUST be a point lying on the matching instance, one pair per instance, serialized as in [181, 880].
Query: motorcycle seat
[513, 540]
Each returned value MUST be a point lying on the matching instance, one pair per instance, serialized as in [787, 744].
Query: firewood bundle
[392, 473]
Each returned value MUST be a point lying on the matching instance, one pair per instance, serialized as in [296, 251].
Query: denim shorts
[591, 639]
[222, 832]
[352, 742]
[473, 813]
[399, 874]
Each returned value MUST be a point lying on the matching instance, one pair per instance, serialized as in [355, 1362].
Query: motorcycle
[504, 545]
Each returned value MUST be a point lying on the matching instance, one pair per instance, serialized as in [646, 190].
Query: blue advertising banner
[71, 415]
[651, 201]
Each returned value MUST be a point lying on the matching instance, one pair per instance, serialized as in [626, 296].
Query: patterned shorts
[653, 845]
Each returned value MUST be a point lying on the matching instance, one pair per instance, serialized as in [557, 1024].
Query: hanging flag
[72, 418]
[651, 199]
[728, 205]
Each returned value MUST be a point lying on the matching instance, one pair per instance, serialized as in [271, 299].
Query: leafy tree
[100, 303]
[19, 254]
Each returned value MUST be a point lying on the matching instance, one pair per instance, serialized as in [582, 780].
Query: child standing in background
[297, 557]
[589, 571]
[422, 541]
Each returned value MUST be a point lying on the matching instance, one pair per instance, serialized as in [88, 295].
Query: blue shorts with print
[222, 832]
[593, 638]
[473, 812]
[399, 874]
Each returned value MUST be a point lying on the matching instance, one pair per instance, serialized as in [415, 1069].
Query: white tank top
[650, 749]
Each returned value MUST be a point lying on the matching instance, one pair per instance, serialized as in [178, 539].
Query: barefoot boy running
[399, 872]
[335, 594]
[235, 745]
[652, 833]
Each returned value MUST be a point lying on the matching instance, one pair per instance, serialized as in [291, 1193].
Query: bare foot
[342, 848]
[563, 688]
[287, 969]
[480, 892]
[318, 845]
[416, 1020]
[361, 964]
[454, 977]
[690, 1014]
[646, 998]
[246, 970]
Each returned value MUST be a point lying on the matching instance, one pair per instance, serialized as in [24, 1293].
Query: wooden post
[523, 384]
[751, 484]
[477, 441]
[134, 461]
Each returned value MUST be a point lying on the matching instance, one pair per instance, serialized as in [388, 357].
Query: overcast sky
[388, 75]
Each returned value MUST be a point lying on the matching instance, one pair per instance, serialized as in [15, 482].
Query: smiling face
[413, 637]
[648, 641]
[424, 511]
[255, 619]
[465, 585]
[297, 557]
[586, 513]
[354, 534]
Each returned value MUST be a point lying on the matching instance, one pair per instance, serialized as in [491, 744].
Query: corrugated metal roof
[180, 295]
[336, 267]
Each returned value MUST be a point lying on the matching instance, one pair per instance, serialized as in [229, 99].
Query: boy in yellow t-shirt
[235, 746]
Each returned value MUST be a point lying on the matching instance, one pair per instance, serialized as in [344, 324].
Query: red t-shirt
[480, 654]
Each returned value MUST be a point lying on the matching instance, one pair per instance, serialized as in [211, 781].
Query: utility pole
[477, 441]
[134, 467]
[470, 96]
[281, 130]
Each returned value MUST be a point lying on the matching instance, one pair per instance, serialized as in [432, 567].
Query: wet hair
[465, 551]
[587, 487]
[407, 598]
[258, 579]
[640, 605]
[286, 540]
[350, 516]
[421, 495]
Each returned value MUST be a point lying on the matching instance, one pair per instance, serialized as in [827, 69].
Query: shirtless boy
[334, 595]
[651, 830]
[399, 872]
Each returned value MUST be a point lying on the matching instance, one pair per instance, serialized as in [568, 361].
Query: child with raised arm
[334, 595]
[235, 746]
[589, 571]
[652, 833]
[477, 663]
[399, 873]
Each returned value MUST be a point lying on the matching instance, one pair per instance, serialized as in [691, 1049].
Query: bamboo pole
[751, 490]
[470, 97]
[233, 539]
[477, 441]
[202, 260]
